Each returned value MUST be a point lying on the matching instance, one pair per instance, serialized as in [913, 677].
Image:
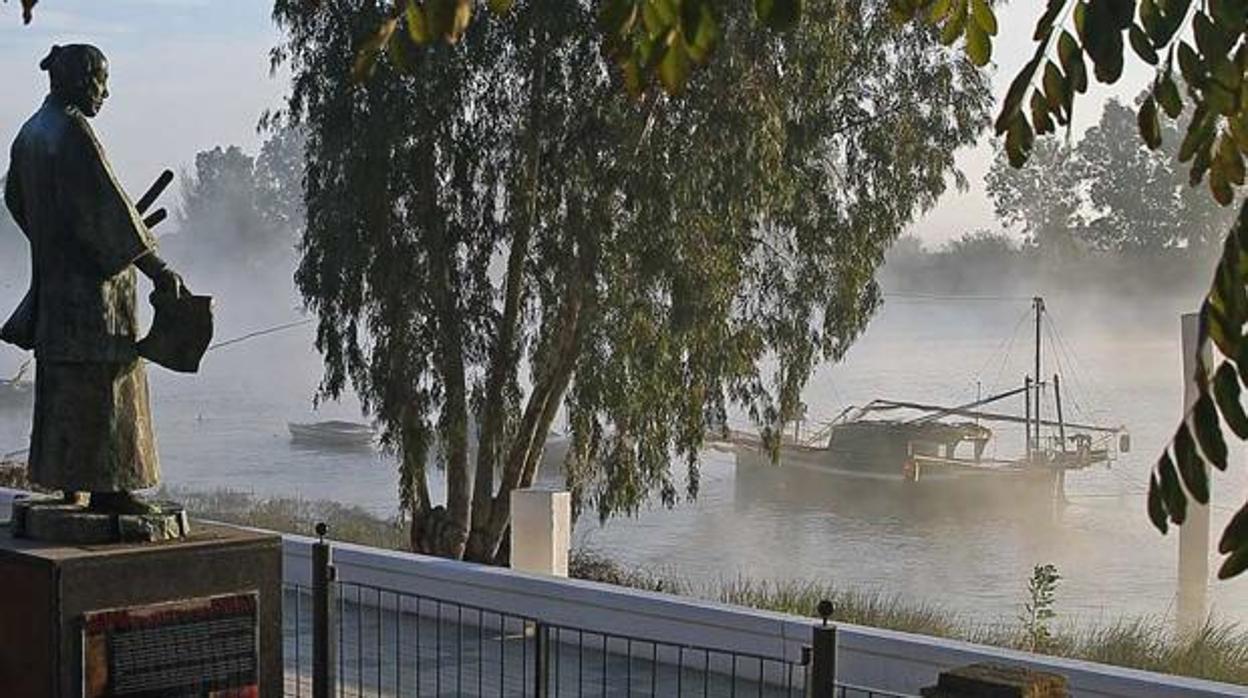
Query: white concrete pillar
[1193, 603]
[541, 531]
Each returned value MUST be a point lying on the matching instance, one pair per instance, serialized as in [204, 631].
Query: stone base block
[54, 521]
[201, 615]
[997, 681]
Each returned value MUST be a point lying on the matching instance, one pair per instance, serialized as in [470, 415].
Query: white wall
[881, 659]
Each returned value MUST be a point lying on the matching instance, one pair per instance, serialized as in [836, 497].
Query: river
[226, 428]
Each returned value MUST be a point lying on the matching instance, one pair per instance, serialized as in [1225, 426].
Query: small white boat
[333, 434]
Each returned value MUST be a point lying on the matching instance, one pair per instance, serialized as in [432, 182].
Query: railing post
[324, 649]
[541, 660]
[823, 662]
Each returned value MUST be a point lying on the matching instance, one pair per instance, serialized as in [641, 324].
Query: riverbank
[1217, 651]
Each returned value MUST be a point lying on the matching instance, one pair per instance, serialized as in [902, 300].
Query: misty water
[227, 428]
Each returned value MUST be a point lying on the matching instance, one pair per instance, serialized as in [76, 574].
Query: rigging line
[994, 384]
[941, 297]
[1076, 391]
[1087, 391]
[995, 352]
[260, 333]
[1097, 393]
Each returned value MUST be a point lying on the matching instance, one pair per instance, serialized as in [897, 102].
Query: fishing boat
[17, 392]
[929, 446]
[332, 434]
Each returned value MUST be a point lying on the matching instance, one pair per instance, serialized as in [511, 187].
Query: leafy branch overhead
[645, 39]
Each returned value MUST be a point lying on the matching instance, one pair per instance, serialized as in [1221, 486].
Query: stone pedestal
[541, 531]
[54, 521]
[997, 681]
[142, 619]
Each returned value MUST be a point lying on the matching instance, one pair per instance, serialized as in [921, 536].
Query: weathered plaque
[207, 647]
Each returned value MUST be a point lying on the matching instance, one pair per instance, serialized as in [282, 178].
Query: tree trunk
[503, 359]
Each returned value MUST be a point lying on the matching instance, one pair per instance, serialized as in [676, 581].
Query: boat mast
[1061, 425]
[1038, 303]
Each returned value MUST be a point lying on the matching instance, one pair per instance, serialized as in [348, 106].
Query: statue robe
[92, 424]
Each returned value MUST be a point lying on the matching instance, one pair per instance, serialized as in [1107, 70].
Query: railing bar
[480, 654]
[680, 671]
[762, 671]
[524, 656]
[379, 643]
[359, 642]
[629, 671]
[298, 635]
[437, 672]
[419, 672]
[580, 662]
[733, 690]
[654, 669]
[398, 644]
[558, 632]
[502, 654]
[604, 665]
[342, 633]
[706, 673]
[459, 650]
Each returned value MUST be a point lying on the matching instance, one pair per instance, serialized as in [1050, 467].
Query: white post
[1194, 533]
[541, 531]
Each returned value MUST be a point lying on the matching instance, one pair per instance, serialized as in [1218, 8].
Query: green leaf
[417, 25]
[981, 11]
[1045, 25]
[705, 34]
[1210, 39]
[781, 15]
[1141, 44]
[1054, 88]
[1013, 102]
[1018, 141]
[366, 55]
[1209, 431]
[978, 45]
[675, 66]
[1191, 467]
[1235, 535]
[956, 24]
[1102, 39]
[1171, 491]
[501, 7]
[1040, 114]
[939, 10]
[1174, 12]
[1199, 134]
[1156, 506]
[1226, 392]
[1120, 11]
[1150, 17]
[1219, 185]
[1150, 128]
[1234, 565]
[1167, 94]
[1190, 65]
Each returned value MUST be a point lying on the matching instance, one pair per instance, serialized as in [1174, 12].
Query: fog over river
[226, 428]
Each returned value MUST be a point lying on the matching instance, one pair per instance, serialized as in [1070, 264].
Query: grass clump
[349, 524]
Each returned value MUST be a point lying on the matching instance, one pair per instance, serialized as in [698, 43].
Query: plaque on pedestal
[200, 616]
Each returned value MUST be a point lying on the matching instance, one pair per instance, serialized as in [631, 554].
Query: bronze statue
[92, 424]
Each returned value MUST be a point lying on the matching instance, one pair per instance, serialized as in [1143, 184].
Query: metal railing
[348, 639]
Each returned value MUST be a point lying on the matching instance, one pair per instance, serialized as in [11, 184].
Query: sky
[188, 75]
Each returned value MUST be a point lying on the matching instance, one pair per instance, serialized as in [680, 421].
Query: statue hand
[168, 283]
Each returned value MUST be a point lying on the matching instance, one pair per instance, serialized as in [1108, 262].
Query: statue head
[79, 75]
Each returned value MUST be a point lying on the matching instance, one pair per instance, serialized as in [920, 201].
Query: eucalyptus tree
[494, 231]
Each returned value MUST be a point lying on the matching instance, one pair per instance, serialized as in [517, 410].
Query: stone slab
[54, 521]
[51, 587]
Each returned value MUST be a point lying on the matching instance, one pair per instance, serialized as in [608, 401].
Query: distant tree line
[240, 212]
[1107, 193]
